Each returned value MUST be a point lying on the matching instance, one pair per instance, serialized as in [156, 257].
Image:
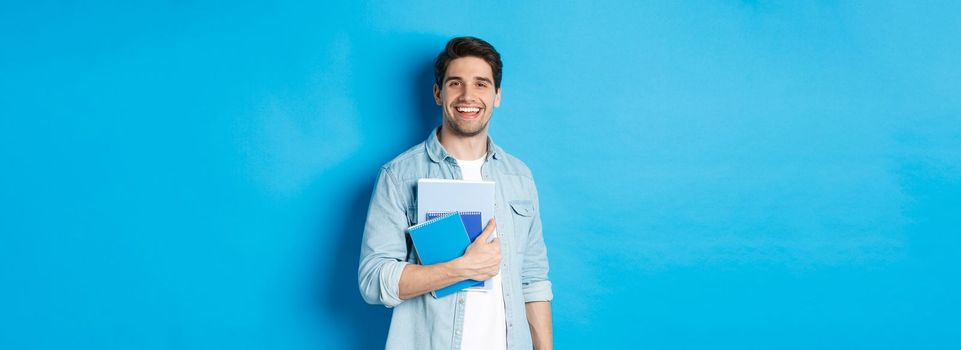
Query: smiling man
[516, 312]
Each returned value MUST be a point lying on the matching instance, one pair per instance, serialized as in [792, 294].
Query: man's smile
[468, 112]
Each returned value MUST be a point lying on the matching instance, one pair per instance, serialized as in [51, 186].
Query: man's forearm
[419, 279]
[480, 262]
[539, 318]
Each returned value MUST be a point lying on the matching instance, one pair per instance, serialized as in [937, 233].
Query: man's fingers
[491, 225]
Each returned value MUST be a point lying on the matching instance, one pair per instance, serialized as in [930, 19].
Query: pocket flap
[523, 207]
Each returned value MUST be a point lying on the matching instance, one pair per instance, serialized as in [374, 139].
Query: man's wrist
[456, 268]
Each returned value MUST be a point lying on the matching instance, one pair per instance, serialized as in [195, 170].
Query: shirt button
[461, 301]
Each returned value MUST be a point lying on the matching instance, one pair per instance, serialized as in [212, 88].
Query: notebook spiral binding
[439, 214]
[443, 215]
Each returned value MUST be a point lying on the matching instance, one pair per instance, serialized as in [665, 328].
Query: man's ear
[437, 95]
[497, 98]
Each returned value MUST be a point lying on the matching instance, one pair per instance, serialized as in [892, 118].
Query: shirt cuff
[390, 282]
[538, 291]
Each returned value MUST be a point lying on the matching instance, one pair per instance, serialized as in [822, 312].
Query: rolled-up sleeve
[384, 245]
[534, 281]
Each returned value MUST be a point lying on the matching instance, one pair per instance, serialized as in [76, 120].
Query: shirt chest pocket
[522, 215]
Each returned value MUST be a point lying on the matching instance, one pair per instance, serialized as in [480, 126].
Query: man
[516, 313]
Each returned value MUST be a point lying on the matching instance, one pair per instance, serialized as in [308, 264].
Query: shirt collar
[437, 153]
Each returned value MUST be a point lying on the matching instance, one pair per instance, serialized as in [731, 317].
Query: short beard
[460, 132]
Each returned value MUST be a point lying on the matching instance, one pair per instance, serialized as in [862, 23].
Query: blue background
[713, 174]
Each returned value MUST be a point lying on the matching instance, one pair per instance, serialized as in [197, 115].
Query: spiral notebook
[472, 223]
[471, 219]
[439, 240]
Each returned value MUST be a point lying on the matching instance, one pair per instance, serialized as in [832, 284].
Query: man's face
[468, 96]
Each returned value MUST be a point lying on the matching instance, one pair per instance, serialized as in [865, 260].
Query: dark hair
[467, 46]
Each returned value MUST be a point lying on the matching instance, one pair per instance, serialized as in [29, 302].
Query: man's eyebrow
[453, 78]
[484, 79]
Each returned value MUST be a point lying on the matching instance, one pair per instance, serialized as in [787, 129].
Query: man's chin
[467, 130]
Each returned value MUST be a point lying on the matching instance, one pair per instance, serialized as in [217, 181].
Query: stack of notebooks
[451, 214]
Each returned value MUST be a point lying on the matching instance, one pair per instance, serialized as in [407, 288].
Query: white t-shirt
[485, 326]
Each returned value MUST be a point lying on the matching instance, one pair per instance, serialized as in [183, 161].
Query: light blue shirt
[425, 322]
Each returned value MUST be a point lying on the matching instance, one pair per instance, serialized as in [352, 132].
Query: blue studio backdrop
[713, 174]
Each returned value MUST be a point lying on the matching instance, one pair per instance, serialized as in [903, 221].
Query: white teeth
[468, 109]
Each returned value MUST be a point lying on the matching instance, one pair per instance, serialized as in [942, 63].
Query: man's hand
[482, 260]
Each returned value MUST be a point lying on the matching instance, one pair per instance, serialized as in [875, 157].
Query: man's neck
[463, 147]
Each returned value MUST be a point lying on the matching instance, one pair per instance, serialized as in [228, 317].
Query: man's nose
[469, 93]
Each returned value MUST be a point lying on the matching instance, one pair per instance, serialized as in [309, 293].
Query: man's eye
[483, 85]
[453, 83]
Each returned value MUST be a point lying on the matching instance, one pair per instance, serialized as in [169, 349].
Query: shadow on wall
[368, 324]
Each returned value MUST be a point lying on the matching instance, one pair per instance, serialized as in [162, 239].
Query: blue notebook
[440, 240]
[471, 219]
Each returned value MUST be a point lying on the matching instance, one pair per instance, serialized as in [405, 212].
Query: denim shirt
[425, 322]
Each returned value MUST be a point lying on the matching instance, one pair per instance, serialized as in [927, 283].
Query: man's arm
[539, 319]
[480, 262]
[383, 250]
[536, 286]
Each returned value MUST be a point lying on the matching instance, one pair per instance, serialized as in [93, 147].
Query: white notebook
[467, 197]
